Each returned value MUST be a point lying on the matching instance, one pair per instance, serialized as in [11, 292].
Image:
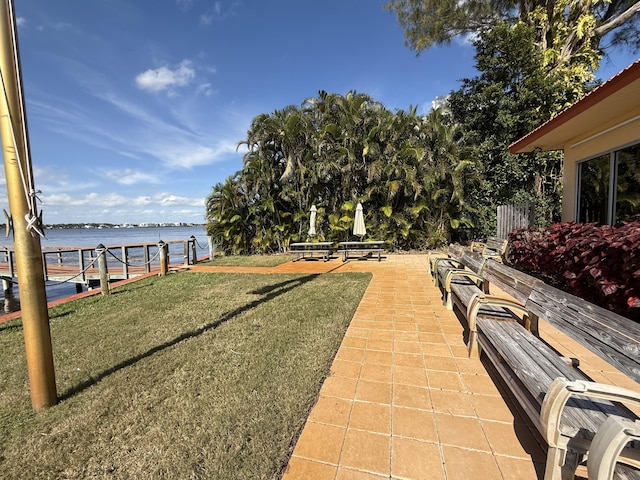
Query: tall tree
[566, 30]
[511, 95]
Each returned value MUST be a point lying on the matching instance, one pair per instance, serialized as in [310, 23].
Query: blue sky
[135, 107]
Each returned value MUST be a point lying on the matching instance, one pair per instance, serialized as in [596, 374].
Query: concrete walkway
[403, 400]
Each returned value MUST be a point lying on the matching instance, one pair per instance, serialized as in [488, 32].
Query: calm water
[92, 237]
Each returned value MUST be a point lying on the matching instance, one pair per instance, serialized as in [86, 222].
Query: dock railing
[80, 264]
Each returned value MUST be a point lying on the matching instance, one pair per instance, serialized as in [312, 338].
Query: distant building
[600, 138]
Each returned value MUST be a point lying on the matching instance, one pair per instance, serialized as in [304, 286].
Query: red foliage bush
[599, 263]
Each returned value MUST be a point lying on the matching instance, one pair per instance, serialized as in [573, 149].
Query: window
[608, 198]
[594, 190]
[628, 183]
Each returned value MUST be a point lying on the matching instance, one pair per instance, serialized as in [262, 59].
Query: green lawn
[191, 375]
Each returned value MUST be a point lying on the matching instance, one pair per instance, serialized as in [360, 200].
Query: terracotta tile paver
[322, 443]
[415, 460]
[309, 469]
[463, 464]
[377, 392]
[413, 423]
[403, 400]
[371, 417]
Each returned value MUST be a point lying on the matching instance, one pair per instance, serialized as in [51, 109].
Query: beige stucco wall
[591, 144]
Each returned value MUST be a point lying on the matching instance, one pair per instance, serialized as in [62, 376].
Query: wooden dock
[79, 264]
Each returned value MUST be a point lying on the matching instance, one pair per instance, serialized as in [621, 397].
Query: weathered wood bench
[562, 402]
[566, 407]
[467, 288]
[463, 282]
[492, 247]
[443, 260]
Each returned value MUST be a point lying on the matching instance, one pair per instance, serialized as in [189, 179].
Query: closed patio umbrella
[359, 229]
[312, 220]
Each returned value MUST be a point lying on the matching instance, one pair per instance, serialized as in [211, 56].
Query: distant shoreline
[60, 226]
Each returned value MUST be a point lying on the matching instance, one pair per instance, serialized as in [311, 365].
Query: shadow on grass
[270, 288]
[11, 325]
[60, 315]
[270, 293]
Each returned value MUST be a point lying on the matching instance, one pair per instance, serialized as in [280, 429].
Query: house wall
[606, 138]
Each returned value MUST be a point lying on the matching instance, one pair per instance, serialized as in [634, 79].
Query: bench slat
[474, 261]
[517, 284]
[463, 292]
[456, 251]
[608, 335]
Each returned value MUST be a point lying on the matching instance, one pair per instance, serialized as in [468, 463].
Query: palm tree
[227, 216]
[451, 171]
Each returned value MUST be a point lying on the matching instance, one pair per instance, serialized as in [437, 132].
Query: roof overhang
[609, 104]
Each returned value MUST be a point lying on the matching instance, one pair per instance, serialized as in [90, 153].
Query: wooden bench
[492, 247]
[306, 250]
[461, 283]
[564, 405]
[567, 408]
[440, 259]
[467, 289]
[365, 249]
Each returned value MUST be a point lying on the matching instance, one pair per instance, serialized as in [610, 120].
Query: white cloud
[50, 179]
[94, 199]
[210, 15]
[112, 200]
[177, 135]
[173, 145]
[188, 154]
[21, 21]
[130, 177]
[466, 39]
[164, 78]
[176, 200]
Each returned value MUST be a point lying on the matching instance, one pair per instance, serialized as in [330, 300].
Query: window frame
[613, 181]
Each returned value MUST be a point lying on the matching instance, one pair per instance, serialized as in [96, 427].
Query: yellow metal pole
[21, 195]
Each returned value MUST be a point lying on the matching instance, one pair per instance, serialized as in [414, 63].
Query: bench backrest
[514, 282]
[456, 251]
[497, 244]
[612, 337]
[473, 261]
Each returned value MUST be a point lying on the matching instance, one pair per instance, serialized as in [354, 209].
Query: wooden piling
[164, 263]
[194, 250]
[101, 251]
